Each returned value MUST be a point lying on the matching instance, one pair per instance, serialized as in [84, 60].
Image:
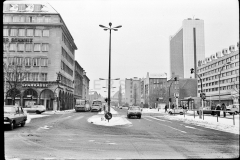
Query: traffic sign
[108, 115]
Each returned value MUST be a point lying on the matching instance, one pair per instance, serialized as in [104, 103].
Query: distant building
[226, 62]
[85, 88]
[133, 91]
[78, 81]
[187, 46]
[93, 95]
[155, 89]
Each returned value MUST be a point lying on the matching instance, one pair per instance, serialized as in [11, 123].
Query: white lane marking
[147, 119]
[67, 117]
[178, 129]
[193, 128]
[78, 118]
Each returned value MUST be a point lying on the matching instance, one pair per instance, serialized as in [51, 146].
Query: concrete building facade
[36, 38]
[78, 81]
[225, 62]
[133, 91]
[187, 46]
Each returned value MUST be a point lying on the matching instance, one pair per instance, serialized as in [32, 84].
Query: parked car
[120, 107]
[14, 115]
[234, 109]
[38, 109]
[207, 110]
[175, 111]
[134, 111]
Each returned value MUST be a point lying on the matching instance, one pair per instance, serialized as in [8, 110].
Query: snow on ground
[31, 116]
[100, 120]
[59, 112]
[112, 111]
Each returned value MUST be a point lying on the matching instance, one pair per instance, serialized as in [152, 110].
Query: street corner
[114, 121]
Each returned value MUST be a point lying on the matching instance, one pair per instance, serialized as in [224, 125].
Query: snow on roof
[157, 75]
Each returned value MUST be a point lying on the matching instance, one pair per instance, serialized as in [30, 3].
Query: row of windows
[69, 46]
[66, 81]
[66, 68]
[27, 61]
[221, 82]
[26, 19]
[28, 76]
[67, 57]
[24, 7]
[216, 77]
[219, 63]
[221, 88]
[27, 47]
[22, 32]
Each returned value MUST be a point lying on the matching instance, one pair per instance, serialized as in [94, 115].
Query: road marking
[177, 129]
[147, 119]
[194, 128]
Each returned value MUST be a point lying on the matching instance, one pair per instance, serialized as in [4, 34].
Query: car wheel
[38, 112]
[139, 117]
[12, 125]
[23, 124]
[230, 113]
[169, 112]
[128, 116]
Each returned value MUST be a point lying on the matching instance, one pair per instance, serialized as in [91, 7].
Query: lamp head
[110, 24]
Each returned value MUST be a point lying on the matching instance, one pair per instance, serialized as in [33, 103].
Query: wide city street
[70, 136]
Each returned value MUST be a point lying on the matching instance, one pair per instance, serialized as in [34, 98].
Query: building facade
[155, 89]
[220, 67]
[36, 39]
[78, 81]
[133, 91]
[187, 46]
[85, 88]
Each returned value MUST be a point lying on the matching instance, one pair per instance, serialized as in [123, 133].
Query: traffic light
[192, 70]
[106, 99]
[175, 78]
[203, 95]
[170, 99]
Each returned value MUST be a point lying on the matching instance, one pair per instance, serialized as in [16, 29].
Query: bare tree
[14, 75]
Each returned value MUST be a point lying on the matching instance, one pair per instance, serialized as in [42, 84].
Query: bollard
[233, 119]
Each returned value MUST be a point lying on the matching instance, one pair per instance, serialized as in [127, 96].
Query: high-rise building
[187, 47]
[37, 41]
[133, 91]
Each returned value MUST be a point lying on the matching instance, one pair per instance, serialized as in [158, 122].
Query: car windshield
[134, 108]
[9, 109]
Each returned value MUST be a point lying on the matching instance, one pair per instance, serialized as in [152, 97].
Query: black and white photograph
[120, 79]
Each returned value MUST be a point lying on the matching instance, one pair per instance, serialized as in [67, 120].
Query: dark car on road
[14, 115]
[207, 110]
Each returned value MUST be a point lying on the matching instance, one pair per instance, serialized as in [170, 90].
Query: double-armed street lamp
[219, 81]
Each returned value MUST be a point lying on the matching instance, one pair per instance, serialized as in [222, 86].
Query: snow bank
[100, 120]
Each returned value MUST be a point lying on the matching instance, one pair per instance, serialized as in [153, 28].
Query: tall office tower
[187, 46]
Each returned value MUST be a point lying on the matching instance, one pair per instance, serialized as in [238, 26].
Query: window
[5, 32]
[37, 7]
[19, 61]
[20, 47]
[29, 32]
[13, 32]
[35, 76]
[237, 71]
[11, 61]
[44, 62]
[47, 19]
[5, 46]
[45, 47]
[7, 19]
[36, 62]
[28, 61]
[21, 7]
[22, 19]
[28, 47]
[16, 18]
[39, 19]
[12, 47]
[37, 47]
[45, 33]
[21, 32]
[28, 76]
[29, 19]
[43, 77]
[38, 33]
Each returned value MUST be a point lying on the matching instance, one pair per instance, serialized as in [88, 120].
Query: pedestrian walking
[224, 109]
[165, 108]
[218, 108]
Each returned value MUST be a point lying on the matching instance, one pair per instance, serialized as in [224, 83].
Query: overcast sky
[142, 44]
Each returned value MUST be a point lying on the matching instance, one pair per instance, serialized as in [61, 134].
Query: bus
[96, 105]
[82, 105]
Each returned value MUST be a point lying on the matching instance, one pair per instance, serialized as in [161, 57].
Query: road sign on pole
[108, 116]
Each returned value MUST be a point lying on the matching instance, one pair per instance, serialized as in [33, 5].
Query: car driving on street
[176, 111]
[14, 115]
[38, 109]
[134, 111]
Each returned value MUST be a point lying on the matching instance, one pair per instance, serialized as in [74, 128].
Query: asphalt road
[70, 136]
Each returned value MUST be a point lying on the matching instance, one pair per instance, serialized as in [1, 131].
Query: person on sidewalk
[224, 110]
[218, 108]
[213, 107]
[165, 108]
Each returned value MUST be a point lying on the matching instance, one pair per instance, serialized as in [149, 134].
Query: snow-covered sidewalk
[58, 112]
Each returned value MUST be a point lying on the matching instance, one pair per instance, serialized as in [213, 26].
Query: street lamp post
[109, 72]
[219, 82]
